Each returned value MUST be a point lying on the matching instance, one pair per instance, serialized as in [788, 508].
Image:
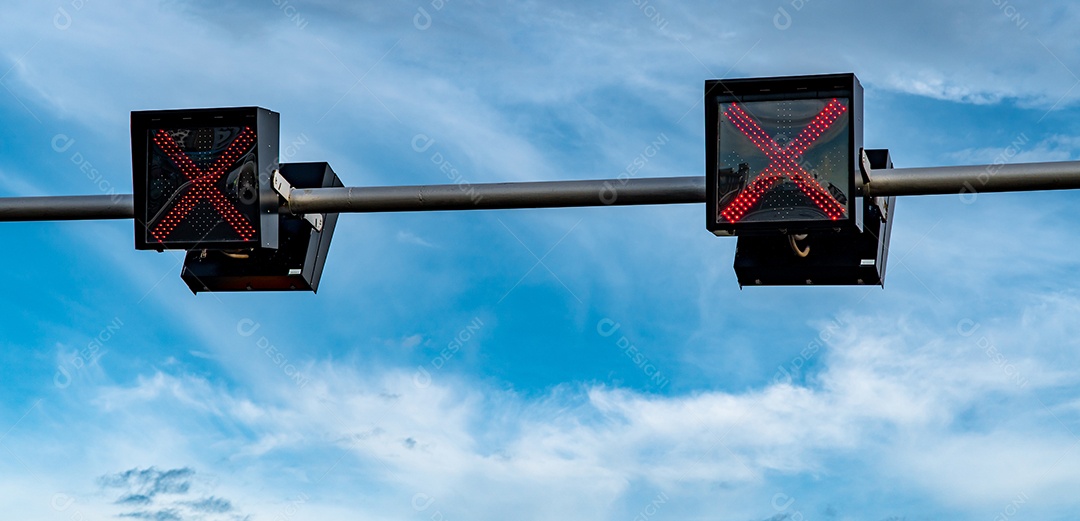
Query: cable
[801, 252]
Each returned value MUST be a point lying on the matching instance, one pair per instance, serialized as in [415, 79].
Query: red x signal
[202, 187]
[783, 162]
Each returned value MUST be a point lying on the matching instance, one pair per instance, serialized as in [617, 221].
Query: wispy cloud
[166, 495]
[903, 397]
[411, 238]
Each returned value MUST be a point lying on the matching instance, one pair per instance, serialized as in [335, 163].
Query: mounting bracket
[284, 189]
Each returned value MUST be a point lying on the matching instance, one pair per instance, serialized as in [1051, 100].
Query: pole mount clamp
[284, 189]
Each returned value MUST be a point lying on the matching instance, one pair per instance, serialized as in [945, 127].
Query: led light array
[783, 162]
[202, 185]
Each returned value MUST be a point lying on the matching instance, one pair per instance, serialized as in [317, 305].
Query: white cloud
[937, 85]
[411, 238]
[412, 341]
[898, 395]
[1021, 149]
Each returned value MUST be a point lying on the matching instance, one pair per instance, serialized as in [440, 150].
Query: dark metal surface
[1020, 177]
[558, 194]
[67, 208]
[552, 194]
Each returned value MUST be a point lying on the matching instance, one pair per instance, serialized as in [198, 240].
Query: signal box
[202, 178]
[296, 264]
[782, 154]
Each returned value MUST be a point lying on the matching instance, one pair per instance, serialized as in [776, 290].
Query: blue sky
[474, 365]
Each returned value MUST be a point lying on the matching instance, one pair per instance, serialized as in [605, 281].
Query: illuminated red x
[783, 162]
[202, 185]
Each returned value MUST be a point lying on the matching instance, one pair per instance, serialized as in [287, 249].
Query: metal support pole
[1020, 177]
[67, 208]
[551, 194]
[562, 194]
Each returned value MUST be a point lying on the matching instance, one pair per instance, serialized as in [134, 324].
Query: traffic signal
[202, 178]
[782, 154]
[785, 169]
[208, 181]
